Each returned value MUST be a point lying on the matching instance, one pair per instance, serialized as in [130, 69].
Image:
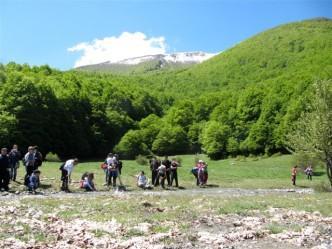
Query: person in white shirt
[66, 170]
[142, 180]
[161, 175]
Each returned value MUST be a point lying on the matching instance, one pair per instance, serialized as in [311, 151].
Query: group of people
[162, 170]
[200, 171]
[308, 171]
[112, 167]
[10, 162]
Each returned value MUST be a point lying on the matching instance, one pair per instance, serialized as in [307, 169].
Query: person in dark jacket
[154, 164]
[174, 172]
[14, 161]
[4, 170]
[38, 158]
[167, 163]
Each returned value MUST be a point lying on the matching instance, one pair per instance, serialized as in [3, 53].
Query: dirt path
[229, 192]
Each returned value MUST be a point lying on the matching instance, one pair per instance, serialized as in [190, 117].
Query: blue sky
[42, 31]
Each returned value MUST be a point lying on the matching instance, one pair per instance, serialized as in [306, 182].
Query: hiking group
[10, 162]
[162, 170]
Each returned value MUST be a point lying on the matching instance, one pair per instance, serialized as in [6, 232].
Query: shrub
[142, 160]
[323, 186]
[52, 157]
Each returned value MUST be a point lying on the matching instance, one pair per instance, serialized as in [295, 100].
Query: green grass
[273, 172]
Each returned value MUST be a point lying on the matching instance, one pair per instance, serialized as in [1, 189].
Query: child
[34, 181]
[88, 183]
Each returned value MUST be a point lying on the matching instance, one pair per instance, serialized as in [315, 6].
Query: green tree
[312, 133]
[131, 145]
[214, 139]
[170, 140]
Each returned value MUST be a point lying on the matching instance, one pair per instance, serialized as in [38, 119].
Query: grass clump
[323, 186]
[52, 157]
[275, 228]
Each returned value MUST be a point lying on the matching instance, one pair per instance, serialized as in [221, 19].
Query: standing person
[66, 170]
[294, 172]
[154, 164]
[29, 162]
[112, 170]
[309, 172]
[108, 161]
[174, 172]
[161, 175]
[4, 170]
[14, 160]
[38, 158]
[202, 172]
[34, 181]
[167, 163]
[119, 163]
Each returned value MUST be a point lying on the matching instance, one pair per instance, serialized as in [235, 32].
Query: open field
[273, 172]
[250, 203]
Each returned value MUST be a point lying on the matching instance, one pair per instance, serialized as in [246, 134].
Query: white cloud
[113, 49]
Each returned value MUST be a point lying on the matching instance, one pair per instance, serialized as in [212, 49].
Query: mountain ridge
[150, 63]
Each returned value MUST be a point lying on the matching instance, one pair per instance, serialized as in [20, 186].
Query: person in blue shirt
[34, 181]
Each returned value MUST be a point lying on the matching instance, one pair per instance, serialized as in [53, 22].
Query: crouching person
[88, 183]
[34, 181]
[66, 170]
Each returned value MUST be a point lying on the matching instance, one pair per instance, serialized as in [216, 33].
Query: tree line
[87, 115]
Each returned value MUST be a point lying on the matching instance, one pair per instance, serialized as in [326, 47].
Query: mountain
[150, 63]
[293, 53]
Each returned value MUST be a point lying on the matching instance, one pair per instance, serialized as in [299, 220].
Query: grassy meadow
[178, 219]
[273, 172]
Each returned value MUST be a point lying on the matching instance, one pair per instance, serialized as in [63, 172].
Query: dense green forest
[242, 101]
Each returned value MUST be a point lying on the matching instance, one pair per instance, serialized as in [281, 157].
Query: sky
[69, 33]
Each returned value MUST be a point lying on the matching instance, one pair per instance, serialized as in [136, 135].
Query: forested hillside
[239, 102]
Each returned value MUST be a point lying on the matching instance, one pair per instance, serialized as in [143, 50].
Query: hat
[200, 161]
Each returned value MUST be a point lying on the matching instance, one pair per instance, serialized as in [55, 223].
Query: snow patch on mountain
[183, 57]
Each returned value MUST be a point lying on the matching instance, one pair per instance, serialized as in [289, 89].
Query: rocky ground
[24, 225]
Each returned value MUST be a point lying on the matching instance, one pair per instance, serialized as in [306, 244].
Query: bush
[142, 160]
[323, 186]
[241, 158]
[52, 157]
